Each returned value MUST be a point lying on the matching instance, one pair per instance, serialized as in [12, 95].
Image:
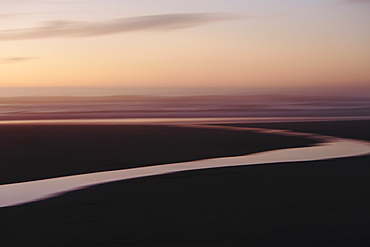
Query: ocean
[92, 103]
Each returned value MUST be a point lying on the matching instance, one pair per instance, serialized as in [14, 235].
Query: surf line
[328, 148]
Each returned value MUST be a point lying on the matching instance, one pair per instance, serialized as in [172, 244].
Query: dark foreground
[30, 152]
[323, 203]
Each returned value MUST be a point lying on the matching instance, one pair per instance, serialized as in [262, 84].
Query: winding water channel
[328, 148]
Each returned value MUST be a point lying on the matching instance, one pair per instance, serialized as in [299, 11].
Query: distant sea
[85, 103]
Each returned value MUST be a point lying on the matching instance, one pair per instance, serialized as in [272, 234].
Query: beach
[314, 203]
[146, 123]
[45, 151]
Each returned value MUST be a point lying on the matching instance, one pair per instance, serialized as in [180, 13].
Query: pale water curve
[328, 148]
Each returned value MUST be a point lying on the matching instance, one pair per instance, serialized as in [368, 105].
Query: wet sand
[321, 203]
[31, 152]
[358, 129]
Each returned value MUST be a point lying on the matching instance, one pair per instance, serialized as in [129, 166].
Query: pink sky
[178, 43]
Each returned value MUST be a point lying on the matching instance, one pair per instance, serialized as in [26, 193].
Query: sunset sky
[184, 43]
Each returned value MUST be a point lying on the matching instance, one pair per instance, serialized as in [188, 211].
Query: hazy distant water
[168, 91]
[50, 103]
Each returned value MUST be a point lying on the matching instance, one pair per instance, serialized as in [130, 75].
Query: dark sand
[351, 129]
[321, 203]
[30, 152]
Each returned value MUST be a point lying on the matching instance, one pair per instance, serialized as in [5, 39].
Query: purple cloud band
[7, 60]
[85, 29]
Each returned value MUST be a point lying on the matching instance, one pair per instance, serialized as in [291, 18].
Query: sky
[184, 43]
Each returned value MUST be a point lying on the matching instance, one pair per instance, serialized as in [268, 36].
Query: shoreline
[327, 148]
[185, 120]
[44, 151]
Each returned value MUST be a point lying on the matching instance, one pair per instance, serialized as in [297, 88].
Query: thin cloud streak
[357, 1]
[8, 16]
[16, 15]
[8, 60]
[85, 29]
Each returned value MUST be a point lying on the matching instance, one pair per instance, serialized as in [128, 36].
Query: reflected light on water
[20, 193]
